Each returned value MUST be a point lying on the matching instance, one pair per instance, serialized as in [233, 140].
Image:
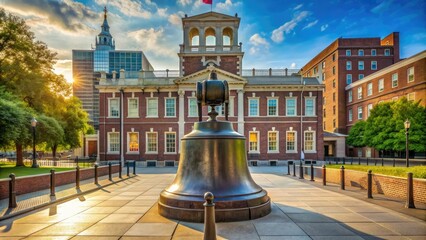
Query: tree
[50, 132]
[74, 120]
[379, 129]
[356, 135]
[384, 129]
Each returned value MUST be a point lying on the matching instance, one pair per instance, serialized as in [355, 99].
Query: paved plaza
[128, 210]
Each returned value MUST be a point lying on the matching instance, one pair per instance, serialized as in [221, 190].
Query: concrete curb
[62, 199]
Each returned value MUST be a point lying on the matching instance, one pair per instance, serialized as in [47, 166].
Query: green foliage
[5, 170]
[418, 171]
[384, 129]
[356, 135]
[29, 87]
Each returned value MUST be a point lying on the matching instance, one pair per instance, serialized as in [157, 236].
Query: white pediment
[211, 16]
[202, 75]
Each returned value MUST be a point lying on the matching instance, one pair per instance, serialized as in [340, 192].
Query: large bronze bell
[213, 159]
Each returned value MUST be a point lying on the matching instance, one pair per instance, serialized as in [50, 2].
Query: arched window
[227, 36]
[194, 37]
[210, 37]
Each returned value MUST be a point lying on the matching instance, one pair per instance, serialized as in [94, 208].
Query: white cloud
[311, 24]
[154, 41]
[184, 2]
[226, 5]
[278, 34]
[162, 12]
[176, 18]
[129, 8]
[293, 65]
[64, 67]
[383, 6]
[257, 40]
[324, 27]
[298, 7]
[258, 44]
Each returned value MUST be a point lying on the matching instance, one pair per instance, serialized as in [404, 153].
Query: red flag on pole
[208, 1]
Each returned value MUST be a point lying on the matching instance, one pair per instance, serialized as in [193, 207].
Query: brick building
[405, 78]
[144, 118]
[346, 61]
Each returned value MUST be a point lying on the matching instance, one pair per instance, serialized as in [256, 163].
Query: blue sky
[275, 34]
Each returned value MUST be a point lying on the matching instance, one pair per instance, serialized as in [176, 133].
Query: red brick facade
[414, 90]
[330, 66]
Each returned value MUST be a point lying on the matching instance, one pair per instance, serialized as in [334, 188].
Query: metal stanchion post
[209, 217]
[359, 161]
[382, 162]
[12, 191]
[294, 169]
[342, 177]
[77, 177]
[52, 182]
[324, 175]
[301, 171]
[119, 170]
[134, 167]
[394, 162]
[128, 168]
[369, 184]
[312, 172]
[110, 171]
[367, 161]
[410, 191]
[96, 173]
[288, 168]
[375, 162]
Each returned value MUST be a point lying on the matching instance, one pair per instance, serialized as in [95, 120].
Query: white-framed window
[254, 141]
[359, 112]
[323, 76]
[113, 142]
[394, 80]
[387, 52]
[273, 141]
[359, 92]
[350, 114]
[348, 52]
[369, 107]
[310, 106]
[152, 107]
[272, 107]
[170, 107]
[291, 142]
[348, 65]
[309, 142]
[360, 76]
[381, 85]
[151, 142]
[133, 107]
[253, 107]
[361, 52]
[133, 142]
[373, 65]
[359, 152]
[192, 107]
[373, 52]
[350, 96]
[410, 74]
[113, 107]
[334, 70]
[348, 79]
[323, 65]
[291, 106]
[170, 142]
[360, 65]
[369, 89]
[411, 96]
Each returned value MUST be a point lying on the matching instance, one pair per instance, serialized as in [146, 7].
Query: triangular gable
[211, 16]
[204, 74]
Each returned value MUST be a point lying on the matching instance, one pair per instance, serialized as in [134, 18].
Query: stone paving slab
[128, 210]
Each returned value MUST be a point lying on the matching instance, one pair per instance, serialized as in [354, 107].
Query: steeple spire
[104, 39]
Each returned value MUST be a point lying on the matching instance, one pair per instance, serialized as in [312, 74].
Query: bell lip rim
[218, 198]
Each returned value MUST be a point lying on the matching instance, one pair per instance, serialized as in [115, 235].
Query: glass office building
[87, 65]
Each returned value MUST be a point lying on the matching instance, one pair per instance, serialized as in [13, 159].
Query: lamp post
[407, 127]
[33, 125]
